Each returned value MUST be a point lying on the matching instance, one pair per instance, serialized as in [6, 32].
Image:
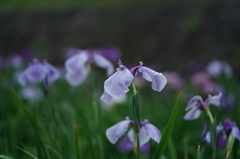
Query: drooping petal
[31, 93]
[22, 79]
[77, 61]
[117, 84]
[106, 97]
[194, 113]
[158, 80]
[53, 73]
[144, 136]
[193, 102]
[236, 132]
[131, 135]
[220, 127]
[76, 77]
[125, 145]
[221, 139]
[116, 131]
[208, 137]
[36, 72]
[153, 132]
[214, 100]
[103, 63]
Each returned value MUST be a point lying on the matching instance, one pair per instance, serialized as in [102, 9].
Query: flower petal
[125, 145]
[76, 77]
[208, 137]
[131, 135]
[106, 97]
[153, 132]
[193, 102]
[144, 136]
[77, 61]
[104, 63]
[116, 131]
[192, 114]
[22, 79]
[214, 100]
[36, 72]
[221, 139]
[53, 72]
[117, 84]
[236, 132]
[158, 80]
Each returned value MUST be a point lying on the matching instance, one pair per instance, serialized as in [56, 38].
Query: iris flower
[76, 66]
[223, 131]
[37, 72]
[196, 105]
[117, 84]
[147, 131]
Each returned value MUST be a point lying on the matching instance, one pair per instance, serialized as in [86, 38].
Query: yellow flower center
[121, 71]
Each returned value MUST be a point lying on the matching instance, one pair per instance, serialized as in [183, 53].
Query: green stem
[136, 115]
[208, 112]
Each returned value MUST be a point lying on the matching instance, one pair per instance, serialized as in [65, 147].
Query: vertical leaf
[77, 148]
[230, 144]
[167, 132]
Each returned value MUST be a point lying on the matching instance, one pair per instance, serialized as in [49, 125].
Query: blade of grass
[230, 144]
[33, 123]
[5, 157]
[166, 134]
[27, 152]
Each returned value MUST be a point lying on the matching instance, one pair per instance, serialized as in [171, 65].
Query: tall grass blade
[167, 132]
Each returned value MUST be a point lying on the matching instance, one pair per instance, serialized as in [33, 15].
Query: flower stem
[136, 115]
[208, 112]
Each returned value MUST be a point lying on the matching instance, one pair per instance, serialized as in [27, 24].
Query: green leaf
[5, 157]
[27, 153]
[166, 134]
[77, 148]
[235, 150]
[230, 144]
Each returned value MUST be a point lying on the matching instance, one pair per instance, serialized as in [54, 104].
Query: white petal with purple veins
[116, 131]
[106, 97]
[158, 80]
[104, 63]
[117, 84]
[192, 114]
[153, 132]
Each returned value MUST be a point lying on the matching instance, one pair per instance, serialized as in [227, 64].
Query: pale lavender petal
[145, 148]
[106, 97]
[53, 73]
[117, 84]
[31, 93]
[144, 136]
[214, 68]
[235, 132]
[220, 127]
[153, 132]
[75, 78]
[77, 61]
[192, 114]
[193, 102]
[131, 135]
[214, 100]
[22, 79]
[116, 131]
[208, 137]
[36, 72]
[158, 80]
[103, 63]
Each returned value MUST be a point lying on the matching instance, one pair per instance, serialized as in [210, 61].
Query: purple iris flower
[37, 72]
[147, 131]
[223, 131]
[195, 105]
[125, 145]
[76, 70]
[117, 84]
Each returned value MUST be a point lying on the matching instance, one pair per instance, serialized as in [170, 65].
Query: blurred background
[167, 33]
